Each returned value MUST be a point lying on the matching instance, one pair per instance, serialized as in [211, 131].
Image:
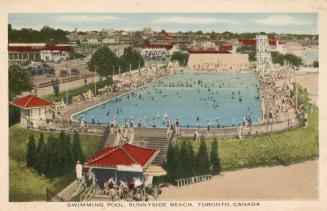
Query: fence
[248, 130]
[88, 193]
[65, 80]
[192, 180]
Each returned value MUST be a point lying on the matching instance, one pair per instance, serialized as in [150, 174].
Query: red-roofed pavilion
[123, 162]
[33, 110]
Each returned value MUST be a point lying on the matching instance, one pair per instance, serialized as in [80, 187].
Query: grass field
[277, 149]
[25, 184]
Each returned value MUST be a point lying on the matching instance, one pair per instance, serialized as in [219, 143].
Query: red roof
[31, 101]
[160, 46]
[253, 42]
[225, 47]
[209, 51]
[126, 154]
[39, 48]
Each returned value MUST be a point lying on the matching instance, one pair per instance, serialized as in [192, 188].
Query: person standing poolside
[208, 128]
[305, 119]
[196, 135]
[177, 127]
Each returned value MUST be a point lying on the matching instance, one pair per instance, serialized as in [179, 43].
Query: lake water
[311, 55]
[193, 98]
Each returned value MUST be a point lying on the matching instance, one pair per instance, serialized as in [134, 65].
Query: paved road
[80, 65]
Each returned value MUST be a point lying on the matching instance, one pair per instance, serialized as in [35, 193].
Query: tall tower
[264, 62]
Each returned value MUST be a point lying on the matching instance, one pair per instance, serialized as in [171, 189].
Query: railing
[259, 129]
[192, 180]
[88, 193]
[65, 80]
[104, 139]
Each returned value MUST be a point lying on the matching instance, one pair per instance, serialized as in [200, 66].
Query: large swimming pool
[193, 98]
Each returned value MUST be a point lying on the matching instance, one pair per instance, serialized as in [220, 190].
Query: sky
[297, 23]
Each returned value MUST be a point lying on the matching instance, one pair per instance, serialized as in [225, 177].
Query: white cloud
[282, 20]
[192, 20]
[86, 18]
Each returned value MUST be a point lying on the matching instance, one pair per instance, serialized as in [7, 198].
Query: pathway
[295, 182]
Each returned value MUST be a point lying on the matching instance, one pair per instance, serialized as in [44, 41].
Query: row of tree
[183, 162]
[56, 157]
[278, 58]
[248, 49]
[45, 35]
[106, 63]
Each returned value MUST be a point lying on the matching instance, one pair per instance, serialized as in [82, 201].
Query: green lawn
[25, 184]
[277, 149]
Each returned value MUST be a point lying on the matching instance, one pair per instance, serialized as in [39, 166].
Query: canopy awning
[134, 168]
[154, 171]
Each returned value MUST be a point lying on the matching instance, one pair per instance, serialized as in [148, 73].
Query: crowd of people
[210, 67]
[131, 190]
[275, 92]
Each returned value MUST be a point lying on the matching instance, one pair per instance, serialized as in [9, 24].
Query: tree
[14, 115]
[77, 149]
[47, 155]
[278, 58]
[199, 32]
[75, 55]
[31, 152]
[63, 154]
[202, 159]
[19, 81]
[190, 157]
[182, 58]
[315, 64]
[171, 162]
[214, 159]
[131, 57]
[55, 86]
[68, 152]
[39, 159]
[183, 160]
[247, 49]
[45, 35]
[104, 61]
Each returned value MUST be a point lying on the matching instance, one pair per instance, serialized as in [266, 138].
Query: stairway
[147, 137]
[110, 140]
[153, 138]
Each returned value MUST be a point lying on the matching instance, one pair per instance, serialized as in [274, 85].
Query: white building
[33, 111]
[38, 52]
[156, 51]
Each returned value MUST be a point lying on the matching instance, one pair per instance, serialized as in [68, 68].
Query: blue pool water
[193, 98]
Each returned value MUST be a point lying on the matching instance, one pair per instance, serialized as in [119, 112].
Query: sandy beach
[311, 82]
[295, 182]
